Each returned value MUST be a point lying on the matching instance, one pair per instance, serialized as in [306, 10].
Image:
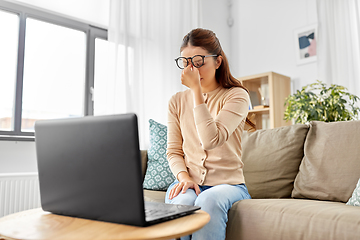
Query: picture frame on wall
[305, 44]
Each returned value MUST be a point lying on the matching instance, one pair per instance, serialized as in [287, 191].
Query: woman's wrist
[183, 176]
[198, 97]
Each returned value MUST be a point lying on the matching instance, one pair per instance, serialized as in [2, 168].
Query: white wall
[16, 157]
[214, 14]
[263, 38]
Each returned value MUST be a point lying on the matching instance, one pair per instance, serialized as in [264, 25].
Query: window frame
[92, 32]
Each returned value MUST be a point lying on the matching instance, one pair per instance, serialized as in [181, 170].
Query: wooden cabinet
[268, 92]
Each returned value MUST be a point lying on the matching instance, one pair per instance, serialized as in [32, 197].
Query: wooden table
[37, 224]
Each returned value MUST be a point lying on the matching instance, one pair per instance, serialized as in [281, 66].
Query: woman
[205, 124]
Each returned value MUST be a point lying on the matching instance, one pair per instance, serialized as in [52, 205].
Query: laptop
[90, 167]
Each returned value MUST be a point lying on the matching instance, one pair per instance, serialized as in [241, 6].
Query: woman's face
[207, 71]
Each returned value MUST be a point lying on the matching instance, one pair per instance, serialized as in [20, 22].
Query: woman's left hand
[190, 77]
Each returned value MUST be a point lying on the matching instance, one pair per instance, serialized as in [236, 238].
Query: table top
[38, 224]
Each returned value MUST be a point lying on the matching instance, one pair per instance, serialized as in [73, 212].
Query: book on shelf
[254, 100]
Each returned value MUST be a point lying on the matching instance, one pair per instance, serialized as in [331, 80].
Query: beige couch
[300, 178]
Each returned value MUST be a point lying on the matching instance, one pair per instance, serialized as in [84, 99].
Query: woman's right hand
[185, 182]
[190, 77]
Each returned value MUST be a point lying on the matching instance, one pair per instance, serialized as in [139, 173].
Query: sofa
[300, 178]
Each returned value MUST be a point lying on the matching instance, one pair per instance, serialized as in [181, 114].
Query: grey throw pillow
[331, 164]
[271, 160]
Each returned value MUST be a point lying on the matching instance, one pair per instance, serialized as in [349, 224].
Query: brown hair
[207, 40]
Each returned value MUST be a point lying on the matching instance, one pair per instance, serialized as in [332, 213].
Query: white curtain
[143, 75]
[339, 43]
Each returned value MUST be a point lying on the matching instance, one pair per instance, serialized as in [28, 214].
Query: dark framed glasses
[197, 61]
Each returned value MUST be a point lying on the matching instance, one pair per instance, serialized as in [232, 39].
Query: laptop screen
[90, 167]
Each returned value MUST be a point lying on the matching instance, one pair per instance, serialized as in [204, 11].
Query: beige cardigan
[205, 141]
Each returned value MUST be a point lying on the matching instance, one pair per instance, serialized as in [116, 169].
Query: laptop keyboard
[158, 212]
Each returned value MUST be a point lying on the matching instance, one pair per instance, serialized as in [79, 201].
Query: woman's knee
[187, 198]
[221, 197]
[209, 201]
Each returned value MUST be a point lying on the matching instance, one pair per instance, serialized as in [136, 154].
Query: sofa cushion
[355, 198]
[158, 174]
[154, 196]
[295, 219]
[331, 165]
[271, 160]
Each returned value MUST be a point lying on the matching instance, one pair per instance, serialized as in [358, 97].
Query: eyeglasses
[197, 61]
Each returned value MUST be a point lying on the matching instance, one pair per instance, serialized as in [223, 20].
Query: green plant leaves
[317, 102]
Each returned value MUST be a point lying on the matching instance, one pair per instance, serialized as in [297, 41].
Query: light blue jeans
[216, 201]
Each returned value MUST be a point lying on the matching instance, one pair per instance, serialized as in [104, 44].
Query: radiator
[18, 192]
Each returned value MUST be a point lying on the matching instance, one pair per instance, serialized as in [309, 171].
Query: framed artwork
[305, 44]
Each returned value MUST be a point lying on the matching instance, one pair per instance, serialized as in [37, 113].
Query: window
[47, 64]
[54, 73]
[9, 24]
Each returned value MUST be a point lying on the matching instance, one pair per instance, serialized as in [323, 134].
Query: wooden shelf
[275, 88]
[260, 111]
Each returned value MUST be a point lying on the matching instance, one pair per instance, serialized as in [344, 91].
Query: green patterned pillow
[158, 175]
[355, 198]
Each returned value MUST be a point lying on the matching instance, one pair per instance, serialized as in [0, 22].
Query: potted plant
[317, 102]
